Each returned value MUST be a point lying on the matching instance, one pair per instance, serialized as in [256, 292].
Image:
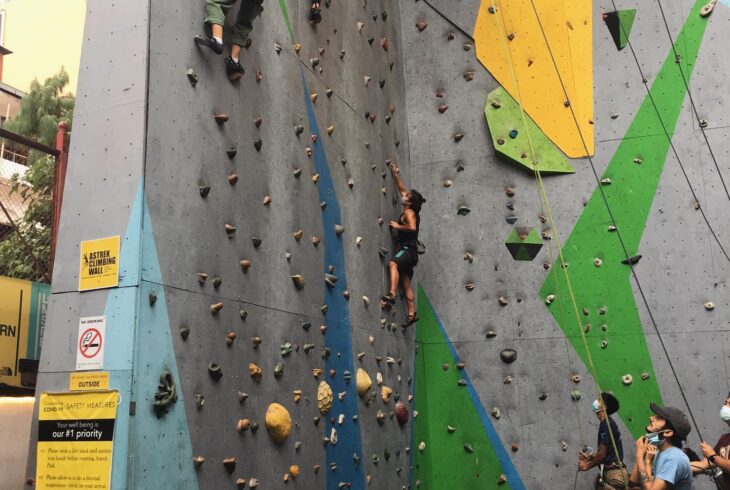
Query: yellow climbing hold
[511, 45]
[324, 397]
[278, 423]
[363, 382]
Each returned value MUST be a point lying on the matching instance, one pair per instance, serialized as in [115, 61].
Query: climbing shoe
[388, 299]
[234, 70]
[210, 42]
[410, 320]
[315, 15]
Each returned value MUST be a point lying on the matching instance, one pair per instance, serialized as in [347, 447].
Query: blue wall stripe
[338, 337]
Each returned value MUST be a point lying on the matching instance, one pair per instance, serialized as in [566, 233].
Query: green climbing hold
[619, 23]
[523, 243]
[504, 118]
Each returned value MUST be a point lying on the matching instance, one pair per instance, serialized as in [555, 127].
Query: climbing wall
[253, 233]
[499, 333]
[245, 337]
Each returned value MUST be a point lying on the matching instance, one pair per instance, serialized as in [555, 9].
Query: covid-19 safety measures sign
[75, 440]
[99, 265]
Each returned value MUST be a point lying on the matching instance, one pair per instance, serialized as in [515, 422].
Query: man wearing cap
[613, 474]
[717, 457]
[660, 462]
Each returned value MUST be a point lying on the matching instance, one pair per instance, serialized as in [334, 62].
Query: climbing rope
[668, 136]
[613, 221]
[547, 207]
[686, 86]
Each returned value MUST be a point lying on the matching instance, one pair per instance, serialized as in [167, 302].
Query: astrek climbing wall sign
[99, 264]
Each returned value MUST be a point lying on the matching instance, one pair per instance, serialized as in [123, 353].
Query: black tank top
[408, 238]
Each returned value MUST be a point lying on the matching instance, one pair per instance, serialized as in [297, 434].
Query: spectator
[612, 474]
[716, 461]
[660, 462]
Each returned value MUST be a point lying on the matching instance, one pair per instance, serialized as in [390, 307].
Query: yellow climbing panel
[568, 35]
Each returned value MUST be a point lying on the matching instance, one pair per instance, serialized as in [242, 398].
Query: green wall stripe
[285, 12]
[630, 197]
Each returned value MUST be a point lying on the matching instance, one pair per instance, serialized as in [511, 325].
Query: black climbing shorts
[406, 259]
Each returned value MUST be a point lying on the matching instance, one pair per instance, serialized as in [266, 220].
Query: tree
[40, 112]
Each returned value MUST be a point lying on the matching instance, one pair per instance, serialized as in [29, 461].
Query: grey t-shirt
[672, 466]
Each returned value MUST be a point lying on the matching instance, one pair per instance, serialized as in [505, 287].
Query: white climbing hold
[597, 262]
[627, 379]
[549, 299]
[709, 306]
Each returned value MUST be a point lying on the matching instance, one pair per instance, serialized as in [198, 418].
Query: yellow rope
[551, 220]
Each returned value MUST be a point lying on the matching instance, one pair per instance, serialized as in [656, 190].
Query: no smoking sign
[90, 347]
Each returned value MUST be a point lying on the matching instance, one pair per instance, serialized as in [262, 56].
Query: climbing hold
[443, 108]
[298, 280]
[257, 143]
[204, 190]
[549, 299]
[243, 425]
[502, 301]
[632, 260]
[645, 376]
[421, 25]
[463, 210]
[450, 429]
[496, 413]
[230, 338]
[619, 23]
[215, 371]
[709, 306]
[575, 395]
[458, 137]
[192, 77]
[253, 483]
[245, 264]
[523, 243]
[363, 382]
[604, 344]
[229, 464]
[152, 298]
[215, 308]
[184, 331]
[330, 130]
[230, 230]
[513, 133]
[221, 118]
[285, 349]
[267, 200]
[255, 372]
[468, 448]
[279, 370]
[256, 242]
[339, 229]
[324, 397]
[401, 413]
[198, 461]
[366, 80]
[597, 262]
[508, 356]
[241, 396]
[575, 378]
[627, 379]
[606, 181]
[365, 301]
[278, 423]
[468, 76]
[166, 394]
[469, 286]
[385, 393]
[707, 9]
[233, 179]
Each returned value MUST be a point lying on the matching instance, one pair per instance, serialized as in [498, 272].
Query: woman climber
[406, 257]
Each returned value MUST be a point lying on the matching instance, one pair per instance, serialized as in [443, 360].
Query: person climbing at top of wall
[660, 462]
[612, 471]
[215, 17]
[716, 461]
[406, 257]
[315, 13]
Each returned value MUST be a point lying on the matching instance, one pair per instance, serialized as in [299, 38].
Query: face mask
[596, 406]
[725, 413]
[654, 438]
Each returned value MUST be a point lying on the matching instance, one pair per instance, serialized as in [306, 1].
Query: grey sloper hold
[166, 394]
[508, 356]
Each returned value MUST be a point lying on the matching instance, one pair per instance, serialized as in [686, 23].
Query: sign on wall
[90, 345]
[75, 440]
[22, 321]
[99, 264]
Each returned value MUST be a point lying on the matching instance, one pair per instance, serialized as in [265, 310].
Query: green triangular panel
[509, 136]
[443, 461]
[525, 248]
[619, 23]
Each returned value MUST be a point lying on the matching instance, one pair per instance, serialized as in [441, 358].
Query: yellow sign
[99, 265]
[22, 321]
[98, 380]
[75, 440]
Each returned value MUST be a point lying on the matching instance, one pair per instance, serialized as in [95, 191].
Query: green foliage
[41, 111]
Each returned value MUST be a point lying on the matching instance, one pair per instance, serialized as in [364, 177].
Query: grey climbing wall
[211, 240]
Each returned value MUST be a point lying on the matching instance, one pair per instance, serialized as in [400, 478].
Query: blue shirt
[672, 466]
[604, 437]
